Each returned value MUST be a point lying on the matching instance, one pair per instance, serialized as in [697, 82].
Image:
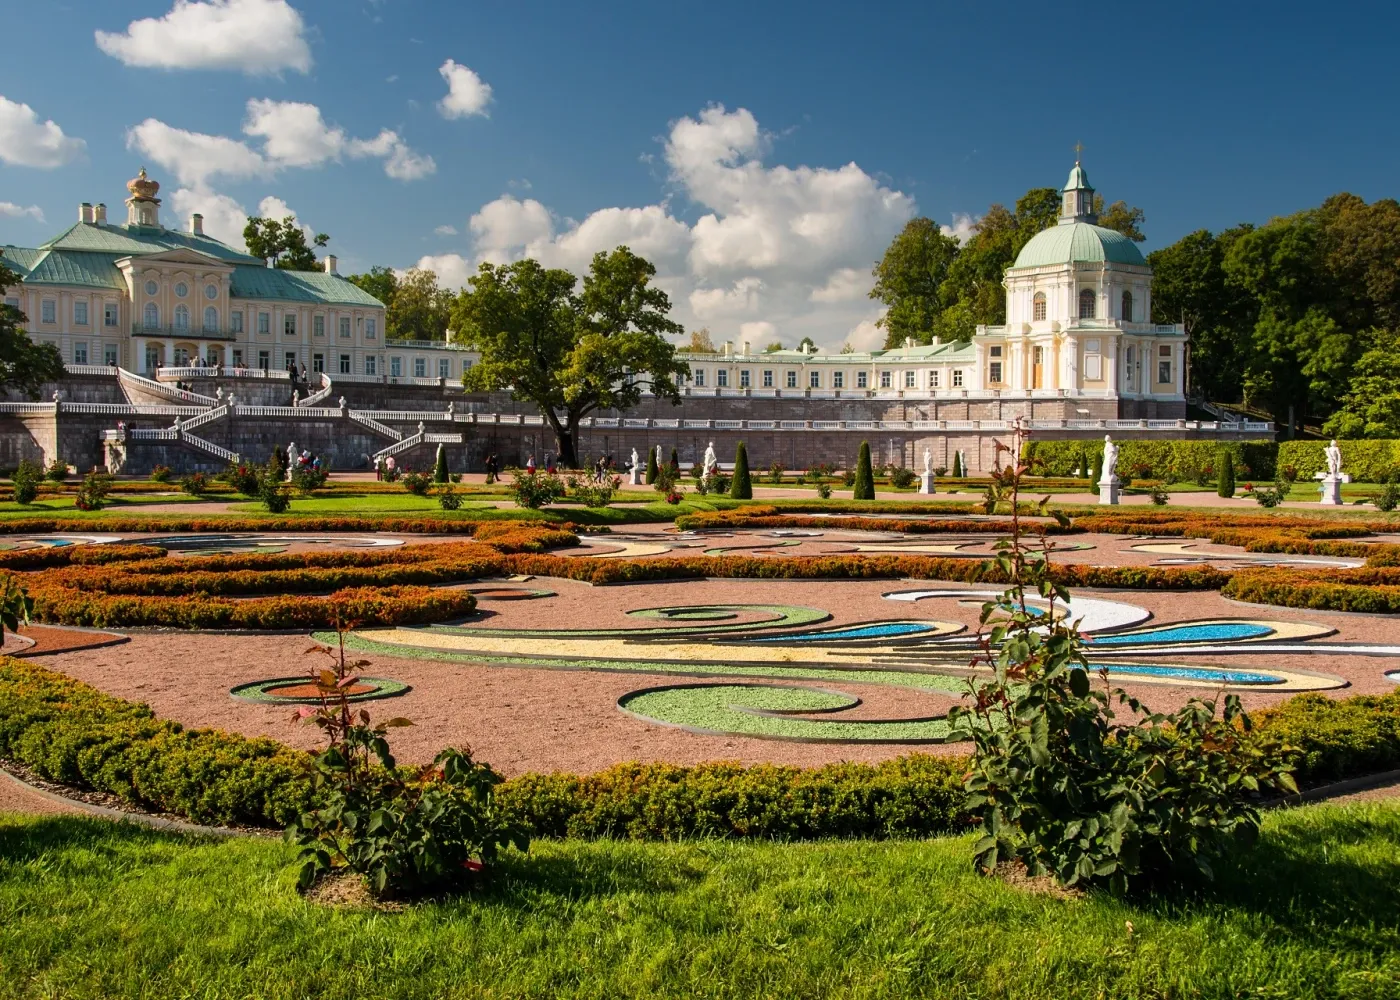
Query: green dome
[1075, 242]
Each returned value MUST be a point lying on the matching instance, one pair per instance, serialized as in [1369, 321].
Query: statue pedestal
[1108, 492]
[636, 475]
[1331, 491]
[926, 483]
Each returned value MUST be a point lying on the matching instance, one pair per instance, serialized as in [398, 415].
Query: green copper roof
[67, 267]
[19, 259]
[134, 240]
[1078, 179]
[297, 286]
[1070, 243]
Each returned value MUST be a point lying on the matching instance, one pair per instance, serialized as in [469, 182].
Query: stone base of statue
[926, 483]
[1108, 491]
[1331, 491]
[636, 475]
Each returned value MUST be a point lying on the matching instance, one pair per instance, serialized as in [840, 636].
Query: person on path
[530, 465]
[389, 468]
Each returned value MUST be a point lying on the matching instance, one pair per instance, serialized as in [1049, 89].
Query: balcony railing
[183, 332]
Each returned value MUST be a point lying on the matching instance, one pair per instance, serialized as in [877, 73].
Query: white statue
[292, 455]
[926, 480]
[1334, 459]
[928, 462]
[1110, 461]
[634, 471]
[635, 459]
[710, 465]
[659, 461]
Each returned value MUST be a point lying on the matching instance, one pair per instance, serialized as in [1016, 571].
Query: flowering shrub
[196, 484]
[160, 474]
[93, 493]
[533, 490]
[449, 498]
[417, 483]
[243, 478]
[591, 493]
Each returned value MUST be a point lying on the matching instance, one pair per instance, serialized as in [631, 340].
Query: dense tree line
[936, 286]
[1298, 317]
[415, 306]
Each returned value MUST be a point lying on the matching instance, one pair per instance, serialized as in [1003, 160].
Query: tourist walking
[530, 465]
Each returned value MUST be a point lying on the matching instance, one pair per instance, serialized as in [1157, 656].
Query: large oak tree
[568, 352]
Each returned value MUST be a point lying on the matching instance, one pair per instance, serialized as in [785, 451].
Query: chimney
[197, 224]
[746, 348]
[99, 214]
[728, 348]
[85, 212]
[271, 263]
[330, 263]
[908, 343]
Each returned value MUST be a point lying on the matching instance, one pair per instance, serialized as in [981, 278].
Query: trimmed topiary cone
[440, 467]
[742, 487]
[675, 460]
[1082, 469]
[1225, 462]
[957, 465]
[651, 466]
[1096, 470]
[864, 486]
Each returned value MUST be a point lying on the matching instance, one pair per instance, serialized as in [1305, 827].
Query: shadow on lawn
[1302, 879]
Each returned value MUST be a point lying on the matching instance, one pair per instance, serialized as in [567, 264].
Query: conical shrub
[742, 487]
[675, 461]
[440, 467]
[1225, 476]
[957, 465]
[1096, 472]
[651, 466]
[864, 486]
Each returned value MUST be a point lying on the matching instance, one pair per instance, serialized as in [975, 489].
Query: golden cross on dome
[1078, 148]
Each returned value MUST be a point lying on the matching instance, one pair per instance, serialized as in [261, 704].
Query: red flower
[473, 866]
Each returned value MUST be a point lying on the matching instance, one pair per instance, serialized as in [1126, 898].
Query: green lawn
[60, 505]
[372, 503]
[89, 909]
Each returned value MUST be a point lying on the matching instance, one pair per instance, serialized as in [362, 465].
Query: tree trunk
[567, 438]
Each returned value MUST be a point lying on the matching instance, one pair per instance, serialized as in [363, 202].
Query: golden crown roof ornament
[142, 187]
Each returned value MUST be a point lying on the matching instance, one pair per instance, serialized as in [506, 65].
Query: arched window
[150, 316]
[1038, 306]
[1086, 304]
[211, 320]
[1127, 307]
[182, 318]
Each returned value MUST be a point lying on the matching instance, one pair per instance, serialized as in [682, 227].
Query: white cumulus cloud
[10, 210]
[467, 93]
[963, 227]
[759, 333]
[446, 230]
[774, 246]
[224, 217]
[194, 157]
[25, 141]
[251, 36]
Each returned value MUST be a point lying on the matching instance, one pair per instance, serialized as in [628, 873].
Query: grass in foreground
[88, 909]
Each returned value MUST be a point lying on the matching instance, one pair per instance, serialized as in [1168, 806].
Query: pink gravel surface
[524, 719]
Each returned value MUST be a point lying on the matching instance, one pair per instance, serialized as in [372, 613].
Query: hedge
[1372, 461]
[1181, 461]
[69, 732]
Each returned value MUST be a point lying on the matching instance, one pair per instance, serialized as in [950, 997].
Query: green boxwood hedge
[69, 732]
[1181, 461]
[1366, 461]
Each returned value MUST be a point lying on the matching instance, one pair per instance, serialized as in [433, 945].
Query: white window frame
[838, 380]
[80, 318]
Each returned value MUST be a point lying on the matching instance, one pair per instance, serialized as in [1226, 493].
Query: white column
[1110, 356]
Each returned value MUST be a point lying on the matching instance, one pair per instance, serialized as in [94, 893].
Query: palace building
[143, 297]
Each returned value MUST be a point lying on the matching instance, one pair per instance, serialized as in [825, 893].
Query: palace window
[109, 314]
[211, 292]
[152, 288]
[791, 380]
[444, 367]
[933, 379]
[181, 290]
[994, 373]
[1164, 364]
[289, 358]
[345, 364]
[1086, 303]
[182, 357]
[1127, 307]
[109, 355]
[838, 380]
[1130, 357]
[1038, 306]
[862, 380]
[318, 363]
[395, 367]
[957, 378]
[768, 378]
[264, 323]
[150, 316]
[80, 353]
[744, 378]
[235, 322]
[371, 365]
[722, 378]
[318, 326]
[289, 324]
[699, 375]
[345, 327]
[885, 382]
[420, 367]
[371, 329]
[909, 377]
[264, 360]
[211, 319]
[182, 318]
[48, 312]
[814, 379]
[12, 301]
[80, 315]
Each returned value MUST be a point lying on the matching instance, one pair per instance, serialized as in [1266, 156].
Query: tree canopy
[571, 352]
[415, 306]
[24, 365]
[284, 242]
[935, 286]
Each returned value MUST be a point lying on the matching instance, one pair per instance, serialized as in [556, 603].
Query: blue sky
[761, 153]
